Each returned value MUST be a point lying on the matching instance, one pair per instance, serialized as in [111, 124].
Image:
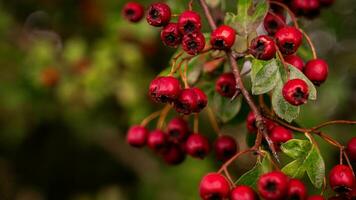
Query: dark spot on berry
[129, 12]
[200, 153]
[170, 38]
[226, 89]
[192, 44]
[228, 153]
[220, 44]
[273, 24]
[189, 27]
[215, 196]
[271, 186]
[288, 46]
[342, 190]
[201, 105]
[260, 47]
[163, 98]
[295, 197]
[154, 13]
[174, 133]
[299, 95]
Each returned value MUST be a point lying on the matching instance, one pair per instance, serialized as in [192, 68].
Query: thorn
[237, 93]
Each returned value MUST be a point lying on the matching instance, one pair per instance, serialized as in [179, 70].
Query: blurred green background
[74, 77]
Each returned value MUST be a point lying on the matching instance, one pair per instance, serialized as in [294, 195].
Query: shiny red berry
[280, 135]
[164, 89]
[243, 193]
[296, 92]
[202, 100]
[316, 197]
[251, 122]
[296, 61]
[288, 39]
[351, 149]
[173, 155]
[317, 71]
[263, 47]
[137, 136]
[189, 22]
[297, 190]
[197, 146]
[158, 14]
[133, 11]
[177, 130]
[214, 186]
[309, 8]
[191, 100]
[157, 140]
[226, 85]
[273, 185]
[223, 37]
[341, 178]
[193, 43]
[225, 147]
[273, 22]
[170, 35]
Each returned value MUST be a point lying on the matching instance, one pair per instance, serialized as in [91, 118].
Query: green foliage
[264, 76]
[224, 108]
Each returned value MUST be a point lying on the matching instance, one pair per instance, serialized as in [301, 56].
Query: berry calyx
[243, 193]
[223, 37]
[137, 136]
[158, 14]
[214, 186]
[317, 71]
[197, 146]
[288, 39]
[296, 61]
[133, 11]
[170, 35]
[273, 185]
[189, 22]
[296, 92]
[273, 22]
[263, 47]
[193, 43]
[164, 89]
[157, 140]
[225, 147]
[341, 178]
[351, 148]
[316, 197]
[173, 155]
[226, 85]
[280, 135]
[296, 190]
[190, 100]
[177, 130]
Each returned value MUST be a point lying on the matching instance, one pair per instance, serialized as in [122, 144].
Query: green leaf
[224, 108]
[296, 148]
[264, 76]
[315, 167]
[282, 108]
[296, 73]
[294, 169]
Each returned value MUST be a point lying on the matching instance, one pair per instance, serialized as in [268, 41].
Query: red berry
[223, 37]
[189, 22]
[326, 2]
[157, 140]
[202, 100]
[273, 22]
[170, 35]
[341, 178]
[296, 61]
[133, 11]
[316, 197]
[251, 123]
[296, 92]
[226, 85]
[193, 43]
[243, 193]
[214, 186]
[280, 135]
[273, 185]
[297, 190]
[197, 146]
[288, 39]
[173, 155]
[177, 130]
[309, 8]
[351, 149]
[190, 100]
[317, 71]
[263, 47]
[137, 136]
[225, 147]
[159, 14]
[164, 89]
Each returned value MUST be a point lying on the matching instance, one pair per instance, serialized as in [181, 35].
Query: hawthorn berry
[223, 37]
[173, 155]
[341, 178]
[177, 130]
[317, 71]
[225, 147]
[170, 35]
[214, 186]
[273, 22]
[273, 185]
[296, 190]
[296, 92]
[197, 146]
[280, 135]
[251, 123]
[137, 136]
[157, 140]
[202, 100]
[243, 193]
[296, 61]
[189, 22]
[164, 89]
[316, 197]
[158, 14]
[133, 11]
[190, 100]
[226, 85]
[288, 39]
[193, 43]
[263, 47]
[351, 149]
[308, 8]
